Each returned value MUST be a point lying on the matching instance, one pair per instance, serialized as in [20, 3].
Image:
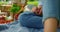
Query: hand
[16, 16]
[37, 10]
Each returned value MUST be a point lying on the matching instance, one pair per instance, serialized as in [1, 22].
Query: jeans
[29, 19]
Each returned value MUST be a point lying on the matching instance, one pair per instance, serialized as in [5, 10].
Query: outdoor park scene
[9, 8]
[29, 15]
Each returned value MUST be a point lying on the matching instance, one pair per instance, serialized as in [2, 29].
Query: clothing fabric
[29, 19]
[51, 9]
[16, 27]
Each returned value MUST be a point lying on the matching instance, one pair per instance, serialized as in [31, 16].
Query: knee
[54, 20]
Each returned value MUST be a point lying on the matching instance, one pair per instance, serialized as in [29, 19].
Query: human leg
[50, 15]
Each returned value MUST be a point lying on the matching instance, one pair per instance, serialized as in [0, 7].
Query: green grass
[33, 2]
[3, 3]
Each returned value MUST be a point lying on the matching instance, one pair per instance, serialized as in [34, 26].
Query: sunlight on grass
[3, 3]
[33, 2]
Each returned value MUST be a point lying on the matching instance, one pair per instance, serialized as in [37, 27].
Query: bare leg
[50, 9]
[50, 25]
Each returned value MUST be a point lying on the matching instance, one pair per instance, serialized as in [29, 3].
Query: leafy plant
[15, 8]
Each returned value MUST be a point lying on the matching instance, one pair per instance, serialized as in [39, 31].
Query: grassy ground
[3, 3]
[33, 2]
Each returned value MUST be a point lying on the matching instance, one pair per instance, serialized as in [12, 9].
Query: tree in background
[31, 0]
[7, 0]
[4, 0]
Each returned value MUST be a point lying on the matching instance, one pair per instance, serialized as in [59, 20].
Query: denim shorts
[51, 9]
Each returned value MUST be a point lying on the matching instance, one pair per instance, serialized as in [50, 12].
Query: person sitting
[31, 17]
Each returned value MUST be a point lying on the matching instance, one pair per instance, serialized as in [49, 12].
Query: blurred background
[9, 8]
[35, 2]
